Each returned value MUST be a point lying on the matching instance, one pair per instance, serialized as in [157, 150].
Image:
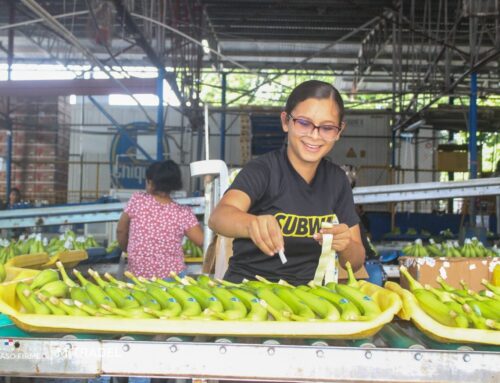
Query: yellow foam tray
[389, 302]
[441, 333]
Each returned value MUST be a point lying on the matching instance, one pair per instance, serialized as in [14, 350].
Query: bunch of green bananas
[447, 233]
[472, 248]
[462, 308]
[451, 250]
[191, 250]
[35, 243]
[434, 249]
[53, 292]
[7, 252]
[415, 249]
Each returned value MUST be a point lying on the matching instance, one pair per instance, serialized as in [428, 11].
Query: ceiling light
[206, 47]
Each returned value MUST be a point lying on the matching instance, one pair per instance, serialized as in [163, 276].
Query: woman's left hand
[341, 236]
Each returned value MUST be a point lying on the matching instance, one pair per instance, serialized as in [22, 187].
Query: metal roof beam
[127, 20]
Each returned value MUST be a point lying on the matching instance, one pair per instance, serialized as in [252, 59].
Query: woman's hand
[265, 232]
[342, 236]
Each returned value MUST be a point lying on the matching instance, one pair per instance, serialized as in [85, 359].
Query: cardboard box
[452, 270]
[455, 161]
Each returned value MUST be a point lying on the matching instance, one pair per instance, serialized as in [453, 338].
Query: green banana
[254, 285]
[133, 278]
[39, 307]
[349, 311]
[322, 307]
[44, 297]
[88, 309]
[134, 313]
[115, 281]
[256, 312]
[477, 321]
[233, 308]
[164, 313]
[190, 306]
[44, 277]
[412, 282]
[97, 278]
[351, 279]
[277, 314]
[167, 302]
[3, 272]
[484, 309]
[368, 307]
[68, 306]
[435, 308]
[205, 298]
[204, 281]
[78, 293]
[143, 297]
[122, 298]
[163, 283]
[447, 299]
[300, 309]
[492, 324]
[95, 293]
[490, 286]
[489, 294]
[20, 288]
[276, 303]
[64, 275]
[430, 303]
[56, 288]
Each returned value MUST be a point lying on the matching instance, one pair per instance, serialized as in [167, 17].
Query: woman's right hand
[265, 232]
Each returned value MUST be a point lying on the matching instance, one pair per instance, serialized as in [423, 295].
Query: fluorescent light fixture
[206, 47]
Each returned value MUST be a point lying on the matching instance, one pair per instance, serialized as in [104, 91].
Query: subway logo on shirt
[293, 225]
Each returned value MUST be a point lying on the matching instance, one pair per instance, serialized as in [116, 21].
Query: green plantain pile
[462, 308]
[472, 248]
[54, 293]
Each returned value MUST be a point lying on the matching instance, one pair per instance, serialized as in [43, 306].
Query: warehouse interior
[92, 92]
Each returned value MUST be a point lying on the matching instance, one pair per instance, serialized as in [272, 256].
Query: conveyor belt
[398, 353]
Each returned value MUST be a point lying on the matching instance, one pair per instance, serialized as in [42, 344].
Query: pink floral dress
[155, 235]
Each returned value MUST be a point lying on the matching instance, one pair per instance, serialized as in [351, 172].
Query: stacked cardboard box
[452, 270]
[40, 147]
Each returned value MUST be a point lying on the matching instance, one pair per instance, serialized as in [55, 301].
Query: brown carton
[452, 270]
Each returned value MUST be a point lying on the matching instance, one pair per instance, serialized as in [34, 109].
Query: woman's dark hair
[314, 89]
[165, 176]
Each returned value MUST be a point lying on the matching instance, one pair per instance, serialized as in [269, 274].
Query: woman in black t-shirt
[279, 200]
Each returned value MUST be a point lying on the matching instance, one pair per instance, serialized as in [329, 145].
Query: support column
[159, 116]
[223, 119]
[10, 59]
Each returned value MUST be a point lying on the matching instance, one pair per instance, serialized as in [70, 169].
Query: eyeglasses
[305, 127]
